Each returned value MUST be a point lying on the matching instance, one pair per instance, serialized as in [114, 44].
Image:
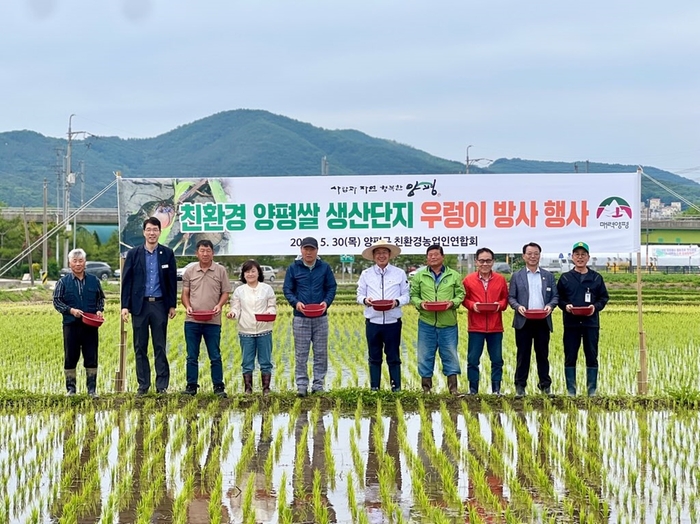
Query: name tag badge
[164, 266]
[587, 297]
[549, 289]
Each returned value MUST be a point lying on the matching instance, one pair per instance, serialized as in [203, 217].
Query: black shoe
[191, 390]
[301, 393]
[547, 391]
[375, 389]
[219, 392]
[317, 392]
[519, 391]
[162, 391]
[141, 392]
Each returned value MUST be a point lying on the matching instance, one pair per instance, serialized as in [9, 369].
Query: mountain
[240, 143]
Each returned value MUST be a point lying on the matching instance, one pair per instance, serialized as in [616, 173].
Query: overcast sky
[607, 81]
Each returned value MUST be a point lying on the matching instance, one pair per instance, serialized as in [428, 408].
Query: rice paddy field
[351, 455]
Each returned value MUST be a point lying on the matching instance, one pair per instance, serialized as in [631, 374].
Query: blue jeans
[194, 331]
[260, 346]
[475, 347]
[442, 340]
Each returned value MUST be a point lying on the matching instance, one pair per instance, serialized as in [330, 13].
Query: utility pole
[68, 182]
[467, 163]
[82, 199]
[45, 243]
[67, 178]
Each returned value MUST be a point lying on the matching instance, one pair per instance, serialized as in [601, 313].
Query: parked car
[181, 270]
[502, 267]
[101, 270]
[269, 274]
[412, 273]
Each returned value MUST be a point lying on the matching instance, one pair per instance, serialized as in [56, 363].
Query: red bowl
[265, 317]
[536, 314]
[487, 307]
[437, 306]
[581, 311]
[313, 310]
[382, 305]
[90, 319]
[202, 316]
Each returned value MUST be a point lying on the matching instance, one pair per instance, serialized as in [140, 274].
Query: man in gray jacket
[532, 288]
[383, 282]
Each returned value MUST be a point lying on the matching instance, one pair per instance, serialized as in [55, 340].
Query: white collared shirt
[390, 283]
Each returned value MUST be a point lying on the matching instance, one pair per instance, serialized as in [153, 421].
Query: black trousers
[535, 333]
[154, 319]
[384, 338]
[573, 335]
[79, 338]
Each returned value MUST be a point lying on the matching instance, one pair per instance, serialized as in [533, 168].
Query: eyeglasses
[484, 261]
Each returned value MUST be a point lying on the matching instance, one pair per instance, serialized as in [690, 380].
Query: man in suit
[149, 293]
[532, 288]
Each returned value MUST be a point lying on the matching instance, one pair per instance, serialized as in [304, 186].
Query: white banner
[270, 215]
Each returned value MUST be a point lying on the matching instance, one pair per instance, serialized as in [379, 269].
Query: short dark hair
[152, 221]
[484, 250]
[247, 266]
[206, 243]
[435, 246]
[532, 244]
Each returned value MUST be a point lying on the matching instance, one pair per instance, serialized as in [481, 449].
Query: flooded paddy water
[453, 461]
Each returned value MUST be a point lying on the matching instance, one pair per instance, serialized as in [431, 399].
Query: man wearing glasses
[532, 288]
[582, 295]
[486, 296]
[149, 293]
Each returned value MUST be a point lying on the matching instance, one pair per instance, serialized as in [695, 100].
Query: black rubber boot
[375, 376]
[592, 381]
[395, 377]
[570, 375]
[70, 381]
[91, 381]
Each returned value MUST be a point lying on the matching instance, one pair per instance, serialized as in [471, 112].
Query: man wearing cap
[77, 293]
[437, 330]
[310, 280]
[578, 288]
[383, 281]
[532, 288]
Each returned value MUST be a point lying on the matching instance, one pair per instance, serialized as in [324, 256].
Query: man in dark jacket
[310, 280]
[582, 295]
[77, 293]
[149, 293]
[532, 288]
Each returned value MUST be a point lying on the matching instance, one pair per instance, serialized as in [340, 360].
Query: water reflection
[310, 479]
[382, 479]
[264, 500]
[137, 464]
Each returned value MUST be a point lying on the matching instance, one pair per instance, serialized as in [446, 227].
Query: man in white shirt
[383, 282]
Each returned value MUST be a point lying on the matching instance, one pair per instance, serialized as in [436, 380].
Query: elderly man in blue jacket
[310, 280]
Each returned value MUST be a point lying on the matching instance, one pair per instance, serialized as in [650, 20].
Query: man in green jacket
[437, 330]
